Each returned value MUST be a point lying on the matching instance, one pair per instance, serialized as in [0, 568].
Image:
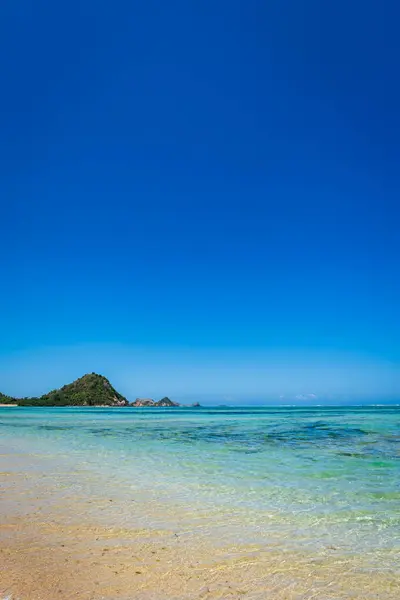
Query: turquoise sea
[314, 479]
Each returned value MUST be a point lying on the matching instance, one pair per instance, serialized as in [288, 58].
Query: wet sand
[56, 547]
[47, 561]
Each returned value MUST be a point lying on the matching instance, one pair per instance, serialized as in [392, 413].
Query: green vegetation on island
[7, 399]
[89, 390]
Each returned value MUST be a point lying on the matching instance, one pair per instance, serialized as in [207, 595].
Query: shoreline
[106, 507]
[67, 545]
[105, 406]
[88, 561]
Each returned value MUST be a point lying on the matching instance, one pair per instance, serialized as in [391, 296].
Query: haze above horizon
[201, 198]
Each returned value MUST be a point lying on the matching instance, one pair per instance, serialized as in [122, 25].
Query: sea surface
[316, 480]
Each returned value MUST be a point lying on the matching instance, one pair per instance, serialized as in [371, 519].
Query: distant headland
[90, 390]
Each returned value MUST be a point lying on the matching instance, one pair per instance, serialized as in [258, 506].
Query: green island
[90, 390]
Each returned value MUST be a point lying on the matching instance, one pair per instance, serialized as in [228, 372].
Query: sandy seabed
[60, 546]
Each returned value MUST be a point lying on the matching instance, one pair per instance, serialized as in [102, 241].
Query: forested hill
[89, 390]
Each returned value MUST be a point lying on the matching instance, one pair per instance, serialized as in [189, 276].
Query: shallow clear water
[310, 478]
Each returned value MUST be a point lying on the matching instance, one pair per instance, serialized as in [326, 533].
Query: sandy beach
[60, 546]
[48, 559]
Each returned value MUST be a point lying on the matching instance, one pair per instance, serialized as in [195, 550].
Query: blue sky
[201, 197]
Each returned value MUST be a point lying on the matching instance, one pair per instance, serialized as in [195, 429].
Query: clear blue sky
[201, 197]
